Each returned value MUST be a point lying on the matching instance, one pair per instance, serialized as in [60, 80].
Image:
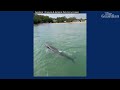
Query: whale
[56, 51]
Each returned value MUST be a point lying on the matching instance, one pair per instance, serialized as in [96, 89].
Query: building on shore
[54, 21]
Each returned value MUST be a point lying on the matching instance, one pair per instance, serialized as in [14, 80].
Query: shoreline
[62, 23]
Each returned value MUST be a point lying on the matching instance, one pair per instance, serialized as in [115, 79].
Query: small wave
[60, 51]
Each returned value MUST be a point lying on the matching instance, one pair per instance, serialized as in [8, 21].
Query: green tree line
[47, 19]
[42, 19]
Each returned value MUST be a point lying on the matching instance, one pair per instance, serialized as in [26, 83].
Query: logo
[109, 15]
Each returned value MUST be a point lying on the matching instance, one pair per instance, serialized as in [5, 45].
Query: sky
[78, 16]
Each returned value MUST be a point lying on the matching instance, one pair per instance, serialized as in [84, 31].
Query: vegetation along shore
[46, 19]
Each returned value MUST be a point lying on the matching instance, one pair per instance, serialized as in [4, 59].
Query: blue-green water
[67, 37]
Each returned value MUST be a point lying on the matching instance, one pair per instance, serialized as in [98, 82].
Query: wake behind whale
[56, 51]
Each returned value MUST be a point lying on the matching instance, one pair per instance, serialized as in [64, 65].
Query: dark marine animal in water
[55, 50]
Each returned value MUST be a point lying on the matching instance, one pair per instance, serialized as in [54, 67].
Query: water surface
[67, 37]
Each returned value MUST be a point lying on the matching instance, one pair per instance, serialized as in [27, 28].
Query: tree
[61, 19]
[42, 19]
[71, 19]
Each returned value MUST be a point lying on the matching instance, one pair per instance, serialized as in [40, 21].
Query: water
[66, 37]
